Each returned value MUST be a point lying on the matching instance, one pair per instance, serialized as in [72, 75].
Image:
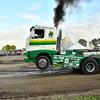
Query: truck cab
[41, 45]
[42, 38]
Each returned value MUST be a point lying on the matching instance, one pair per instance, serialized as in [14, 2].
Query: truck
[43, 49]
[2, 52]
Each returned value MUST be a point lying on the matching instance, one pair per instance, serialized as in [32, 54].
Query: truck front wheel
[89, 66]
[42, 62]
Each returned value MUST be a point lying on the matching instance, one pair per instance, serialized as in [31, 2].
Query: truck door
[38, 40]
[50, 38]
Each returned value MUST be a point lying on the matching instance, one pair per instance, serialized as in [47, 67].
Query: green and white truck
[43, 49]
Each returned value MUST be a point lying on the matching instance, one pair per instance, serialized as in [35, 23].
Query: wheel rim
[90, 67]
[42, 62]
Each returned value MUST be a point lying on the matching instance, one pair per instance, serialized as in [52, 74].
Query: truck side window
[38, 33]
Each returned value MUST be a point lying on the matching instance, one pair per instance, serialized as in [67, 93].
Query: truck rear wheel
[89, 66]
[42, 62]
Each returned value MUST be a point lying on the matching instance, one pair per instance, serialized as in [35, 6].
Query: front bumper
[26, 59]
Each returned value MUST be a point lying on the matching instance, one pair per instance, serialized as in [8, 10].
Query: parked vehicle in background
[24, 52]
[18, 52]
[2, 52]
[12, 52]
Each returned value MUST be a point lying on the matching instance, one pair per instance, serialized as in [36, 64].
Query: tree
[24, 49]
[13, 47]
[8, 48]
[95, 42]
[82, 42]
[98, 40]
[3, 48]
[90, 44]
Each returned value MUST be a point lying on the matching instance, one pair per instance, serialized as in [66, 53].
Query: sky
[18, 16]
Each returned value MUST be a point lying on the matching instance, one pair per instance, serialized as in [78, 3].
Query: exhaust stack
[58, 41]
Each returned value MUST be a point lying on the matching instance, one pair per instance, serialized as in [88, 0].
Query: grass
[11, 58]
[86, 97]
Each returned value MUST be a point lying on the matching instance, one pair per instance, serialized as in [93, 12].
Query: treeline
[95, 42]
[8, 48]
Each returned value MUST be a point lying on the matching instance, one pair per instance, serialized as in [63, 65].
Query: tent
[77, 46]
[66, 43]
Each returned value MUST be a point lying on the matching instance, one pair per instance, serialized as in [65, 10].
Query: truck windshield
[38, 33]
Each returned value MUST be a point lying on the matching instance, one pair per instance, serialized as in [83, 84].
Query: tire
[89, 66]
[42, 62]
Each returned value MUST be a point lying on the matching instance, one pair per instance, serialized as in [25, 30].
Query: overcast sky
[17, 16]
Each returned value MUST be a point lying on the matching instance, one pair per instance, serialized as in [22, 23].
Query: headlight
[26, 57]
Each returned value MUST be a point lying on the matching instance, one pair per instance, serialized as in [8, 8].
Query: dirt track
[19, 81]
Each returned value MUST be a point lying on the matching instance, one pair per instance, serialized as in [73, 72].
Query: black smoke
[60, 10]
